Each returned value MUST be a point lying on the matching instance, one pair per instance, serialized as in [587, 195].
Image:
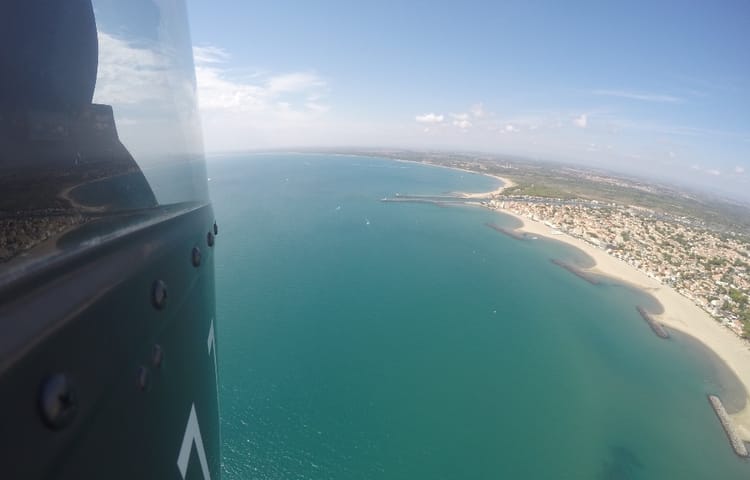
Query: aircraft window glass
[98, 122]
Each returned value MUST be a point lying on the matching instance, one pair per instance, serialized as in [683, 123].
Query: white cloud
[739, 169]
[130, 74]
[462, 124]
[256, 110]
[269, 96]
[713, 172]
[461, 120]
[262, 100]
[429, 118]
[210, 54]
[510, 128]
[645, 97]
[294, 82]
[153, 98]
[478, 110]
[314, 106]
[671, 154]
[581, 121]
[218, 93]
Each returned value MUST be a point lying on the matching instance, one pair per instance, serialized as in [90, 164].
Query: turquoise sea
[368, 340]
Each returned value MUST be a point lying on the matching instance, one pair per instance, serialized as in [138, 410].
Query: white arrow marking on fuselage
[212, 346]
[192, 436]
[211, 339]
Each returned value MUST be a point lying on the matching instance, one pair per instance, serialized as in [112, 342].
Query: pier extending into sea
[726, 422]
[437, 203]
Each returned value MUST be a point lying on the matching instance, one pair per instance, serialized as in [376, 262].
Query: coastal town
[696, 246]
[689, 250]
[709, 268]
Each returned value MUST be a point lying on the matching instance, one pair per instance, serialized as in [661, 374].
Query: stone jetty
[507, 231]
[726, 422]
[577, 272]
[657, 327]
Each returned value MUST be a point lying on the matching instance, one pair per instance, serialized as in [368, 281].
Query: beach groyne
[657, 327]
[577, 272]
[726, 422]
[437, 203]
[515, 234]
[434, 198]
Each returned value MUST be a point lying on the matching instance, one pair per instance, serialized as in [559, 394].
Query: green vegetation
[679, 238]
[536, 190]
[659, 209]
[738, 297]
[716, 262]
[745, 319]
[554, 180]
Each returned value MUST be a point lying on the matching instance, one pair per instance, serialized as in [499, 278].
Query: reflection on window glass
[98, 119]
[146, 73]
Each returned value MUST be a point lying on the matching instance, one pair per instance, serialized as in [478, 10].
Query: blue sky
[653, 88]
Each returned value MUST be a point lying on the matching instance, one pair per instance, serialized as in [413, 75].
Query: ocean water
[368, 340]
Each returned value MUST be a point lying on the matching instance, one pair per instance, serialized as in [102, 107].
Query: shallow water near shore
[362, 339]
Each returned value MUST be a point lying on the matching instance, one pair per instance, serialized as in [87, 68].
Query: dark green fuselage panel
[108, 357]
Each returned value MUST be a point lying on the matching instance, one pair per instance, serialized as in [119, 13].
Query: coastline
[679, 312]
[504, 182]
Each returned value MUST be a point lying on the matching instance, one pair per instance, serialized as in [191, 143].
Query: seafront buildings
[709, 268]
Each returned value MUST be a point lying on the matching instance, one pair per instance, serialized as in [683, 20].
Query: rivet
[216, 229]
[57, 402]
[157, 356]
[143, 379]
[159, 294]
[210, 239]
[196, 257]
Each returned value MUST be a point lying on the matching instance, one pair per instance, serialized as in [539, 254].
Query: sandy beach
[506, 182]
[679, 312]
